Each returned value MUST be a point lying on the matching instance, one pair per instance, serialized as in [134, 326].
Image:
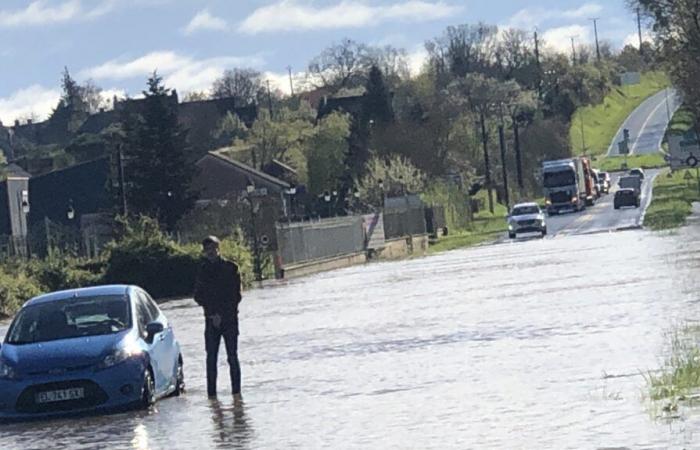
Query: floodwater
[533, 344]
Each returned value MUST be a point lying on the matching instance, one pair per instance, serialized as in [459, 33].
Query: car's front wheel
[511, 235]
[544, 231]
[148, 391]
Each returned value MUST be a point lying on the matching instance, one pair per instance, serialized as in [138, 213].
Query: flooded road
[532, 344]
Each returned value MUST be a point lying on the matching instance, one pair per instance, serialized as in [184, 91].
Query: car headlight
[547, 202]
[118, 356]
[7, 372]
[574, 199]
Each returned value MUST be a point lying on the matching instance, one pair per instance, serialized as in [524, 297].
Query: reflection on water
[534, 344]
[231, 428]
[140, 440]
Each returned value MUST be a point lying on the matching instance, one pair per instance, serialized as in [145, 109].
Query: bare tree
[342, 65]
[241, 84]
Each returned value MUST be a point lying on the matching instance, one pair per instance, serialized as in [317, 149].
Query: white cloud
[529, 18]
[417, 60]
[34, 100]
[583, 12]
[290, 15]
[181, 72]
[559, 39]
[633, 39]
[40, 12]
[203, 20]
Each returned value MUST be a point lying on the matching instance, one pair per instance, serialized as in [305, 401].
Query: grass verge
[614, 163]
[601, 122]
[672, 200]
[485, 227]
[679, 378]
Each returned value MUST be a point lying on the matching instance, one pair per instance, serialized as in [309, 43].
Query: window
[69, 318]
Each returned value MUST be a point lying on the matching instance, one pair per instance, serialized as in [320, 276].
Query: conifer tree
[158, 172]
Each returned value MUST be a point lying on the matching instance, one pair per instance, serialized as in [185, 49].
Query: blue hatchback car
[90, 349]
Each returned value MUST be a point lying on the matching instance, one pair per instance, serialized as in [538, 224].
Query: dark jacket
[218, 288]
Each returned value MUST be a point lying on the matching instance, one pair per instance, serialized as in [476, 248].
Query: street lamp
[70, 212]
[327, 199]
[257, 266]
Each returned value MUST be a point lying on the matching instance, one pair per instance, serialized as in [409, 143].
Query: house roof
[246, 168]
[284, 166]
[15, 171]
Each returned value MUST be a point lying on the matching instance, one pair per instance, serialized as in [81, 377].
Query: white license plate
[60, 395]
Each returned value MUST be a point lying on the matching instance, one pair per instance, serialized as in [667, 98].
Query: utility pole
[595, 31]
[639, 30]
[539, 67]
[518, 157]
[487, 162]
[122, 184]
[573, 50]
[269, 98]
[291, 84]
[502, 142]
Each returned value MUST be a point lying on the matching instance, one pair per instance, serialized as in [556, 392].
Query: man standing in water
[218, 291]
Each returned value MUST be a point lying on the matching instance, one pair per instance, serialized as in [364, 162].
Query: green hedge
[15, 289]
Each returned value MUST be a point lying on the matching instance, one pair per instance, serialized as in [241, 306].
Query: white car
[526, 218]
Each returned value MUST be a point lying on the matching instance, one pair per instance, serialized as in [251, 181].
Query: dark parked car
[626, 197]
[637, 172]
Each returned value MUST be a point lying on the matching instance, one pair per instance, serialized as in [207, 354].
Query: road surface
[537, 343]
[647, 124]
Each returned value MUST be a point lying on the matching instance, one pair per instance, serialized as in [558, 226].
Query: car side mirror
[152, 329]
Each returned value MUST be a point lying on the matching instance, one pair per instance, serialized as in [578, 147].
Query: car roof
[113, 289]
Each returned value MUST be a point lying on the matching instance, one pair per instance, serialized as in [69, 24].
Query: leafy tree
[243, 85]
[326, 152]
[396, 175]
[282, 136]
[158, 173]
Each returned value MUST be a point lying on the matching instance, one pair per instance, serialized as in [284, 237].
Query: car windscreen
[69, 318]
[523, 210]
[559, 178]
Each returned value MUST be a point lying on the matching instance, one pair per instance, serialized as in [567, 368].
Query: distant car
[626, 197]
[638, 172]
[604, 181]
[526, 218]
[598, 187]
[86, 350]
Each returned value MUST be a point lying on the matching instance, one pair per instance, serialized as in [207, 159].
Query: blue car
[86, 350]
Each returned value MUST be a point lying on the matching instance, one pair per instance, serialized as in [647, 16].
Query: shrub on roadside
[146, 257]
[15, 289]
[59, 273]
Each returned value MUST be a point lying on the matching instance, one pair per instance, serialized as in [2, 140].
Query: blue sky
[116, 43]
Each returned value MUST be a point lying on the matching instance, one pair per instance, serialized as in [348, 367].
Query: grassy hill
[601, 122]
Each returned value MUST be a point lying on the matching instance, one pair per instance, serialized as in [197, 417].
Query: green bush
[59, 273]
[455, 202]
[15, 289]
[146, 257]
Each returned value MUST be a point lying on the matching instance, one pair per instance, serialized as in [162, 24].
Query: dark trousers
[212, 340]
